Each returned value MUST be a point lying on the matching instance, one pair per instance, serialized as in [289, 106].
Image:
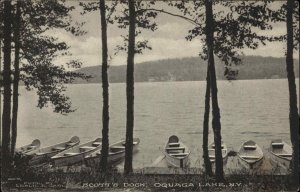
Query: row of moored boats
[176, 152]
[72, 152]
[250, 155]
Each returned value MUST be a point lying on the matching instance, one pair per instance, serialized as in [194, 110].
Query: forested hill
[193, 69]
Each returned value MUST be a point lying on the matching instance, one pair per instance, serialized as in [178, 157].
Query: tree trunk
[6, 121]
[293, 116]
[216, 124]
[1, 80]
[105, 110]
[130, 89]
[14, 124]
[207, 162]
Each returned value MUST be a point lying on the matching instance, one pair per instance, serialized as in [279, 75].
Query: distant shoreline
[192, 69]
[297, 78]
[137, 82]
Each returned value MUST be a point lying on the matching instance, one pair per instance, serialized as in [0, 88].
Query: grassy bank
[21, 177]
[87, 179]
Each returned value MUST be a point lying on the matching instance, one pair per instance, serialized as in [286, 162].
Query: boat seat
[58, 148]
[285, 155]
[70, 144]
[86, 148]
[134, 143]
[95, 144]
[250, 157]
[117, 147]
[277, 145]
[251, 147]
[175, 148]
[70, 154]
[30, 147]
[174, 144]
[213, 156]
[213, 146]
[178, 154]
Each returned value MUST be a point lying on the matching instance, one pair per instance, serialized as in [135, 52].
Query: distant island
[192, 69]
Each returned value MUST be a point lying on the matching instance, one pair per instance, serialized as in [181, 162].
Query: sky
[168, 41]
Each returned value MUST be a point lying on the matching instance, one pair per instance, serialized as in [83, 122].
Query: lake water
[250, 109]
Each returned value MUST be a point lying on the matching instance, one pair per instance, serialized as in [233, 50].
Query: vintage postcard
[149, 95]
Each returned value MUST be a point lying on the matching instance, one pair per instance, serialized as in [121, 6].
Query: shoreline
[82, 178]
[141, 182]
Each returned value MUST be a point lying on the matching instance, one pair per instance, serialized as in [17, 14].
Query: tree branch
[169, 13]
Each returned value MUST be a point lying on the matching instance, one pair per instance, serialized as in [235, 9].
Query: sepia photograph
[149, 95]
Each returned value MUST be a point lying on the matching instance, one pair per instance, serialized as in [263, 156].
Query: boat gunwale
[254, 161]
[114, 144]
[61, 154]
[285, 158]
[281, 157]
[23, 149]
[225, 157]
[57, 151]
[177, 158]
[69, 156]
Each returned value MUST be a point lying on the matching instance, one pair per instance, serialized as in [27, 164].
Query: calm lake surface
[250, 109]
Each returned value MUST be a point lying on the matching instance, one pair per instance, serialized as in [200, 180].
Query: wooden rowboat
[177, 154]
[212, 156]
[281, 152]
[116, 153]
[77, 153]
[250, 155]
[44, 154]
[30, 148]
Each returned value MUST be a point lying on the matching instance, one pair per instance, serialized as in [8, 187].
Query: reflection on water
[250, 109]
